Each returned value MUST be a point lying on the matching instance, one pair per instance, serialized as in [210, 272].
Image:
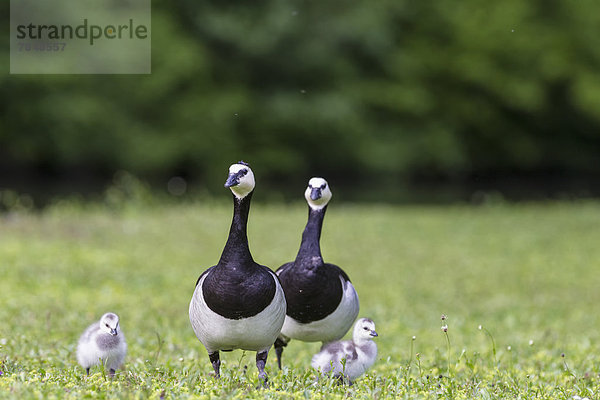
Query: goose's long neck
[236, 249]
[310, 248]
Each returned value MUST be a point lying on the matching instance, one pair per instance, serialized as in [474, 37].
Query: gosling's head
[240, 179]
[364, 329]
[317, 193]
[109, 323]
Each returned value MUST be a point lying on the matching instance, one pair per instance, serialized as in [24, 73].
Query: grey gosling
[102, 342]
[349, 359]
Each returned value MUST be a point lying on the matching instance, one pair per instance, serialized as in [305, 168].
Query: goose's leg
[87, 371]
[111, 373]
[261, 361]
[216, 362]
[280, 343]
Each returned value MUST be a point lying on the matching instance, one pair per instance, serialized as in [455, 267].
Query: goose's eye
[109, 326]
[365, 328]
[323, 186]
[243, 172]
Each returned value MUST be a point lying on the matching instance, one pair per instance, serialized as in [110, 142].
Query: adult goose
[322, 303]
[238, 304]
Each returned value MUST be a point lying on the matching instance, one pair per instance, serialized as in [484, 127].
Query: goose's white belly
[256, 333]
[332, 327]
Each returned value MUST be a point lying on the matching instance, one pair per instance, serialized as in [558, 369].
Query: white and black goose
[322, 303]
[349, 359]
[102, 342]
[238, 304]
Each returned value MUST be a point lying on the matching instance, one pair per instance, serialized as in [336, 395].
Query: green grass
[528, 274]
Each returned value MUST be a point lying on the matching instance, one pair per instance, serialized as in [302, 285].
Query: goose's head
[240, 180]
[364, 329]
[317, 193]
[109, 323]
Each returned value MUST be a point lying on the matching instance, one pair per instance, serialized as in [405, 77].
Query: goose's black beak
[374, 334]
[315, 194]
[113, 332]
[234, 179]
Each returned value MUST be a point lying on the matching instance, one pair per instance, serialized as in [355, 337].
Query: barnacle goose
[238, 304]
[349, 359]
[102, 342]
[322, 303]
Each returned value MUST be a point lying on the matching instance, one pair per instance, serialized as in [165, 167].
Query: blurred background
[391, 101]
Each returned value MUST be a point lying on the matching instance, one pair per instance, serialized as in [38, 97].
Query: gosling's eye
[109, 326]
[365, 328]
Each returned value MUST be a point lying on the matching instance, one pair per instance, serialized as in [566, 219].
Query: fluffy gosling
[349, 359]
[102, 342]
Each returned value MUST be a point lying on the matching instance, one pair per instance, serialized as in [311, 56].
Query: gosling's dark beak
[315, 193]
[113, 332]
[233, 179]
[374, 334]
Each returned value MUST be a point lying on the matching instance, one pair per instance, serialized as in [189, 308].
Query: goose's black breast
[237, 293]
[311, 294]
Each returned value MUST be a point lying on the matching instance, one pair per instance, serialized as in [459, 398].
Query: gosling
[102, 342]
[349, 359]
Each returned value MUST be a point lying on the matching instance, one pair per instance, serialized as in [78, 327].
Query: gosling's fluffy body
[349, 359]
[102, 342]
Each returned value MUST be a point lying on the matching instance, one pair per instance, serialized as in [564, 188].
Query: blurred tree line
[372, 95]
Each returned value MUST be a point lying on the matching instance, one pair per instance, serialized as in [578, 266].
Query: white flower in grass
[445, 328]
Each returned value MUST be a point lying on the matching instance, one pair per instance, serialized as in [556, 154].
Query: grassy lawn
[528, 274]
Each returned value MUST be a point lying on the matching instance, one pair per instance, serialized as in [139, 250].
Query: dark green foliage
[376, 91]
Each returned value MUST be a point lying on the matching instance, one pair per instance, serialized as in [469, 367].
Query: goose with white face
[317, 193]
[240, 180]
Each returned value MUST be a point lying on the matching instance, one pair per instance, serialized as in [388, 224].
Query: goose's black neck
[236, 251]
[310, 248]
